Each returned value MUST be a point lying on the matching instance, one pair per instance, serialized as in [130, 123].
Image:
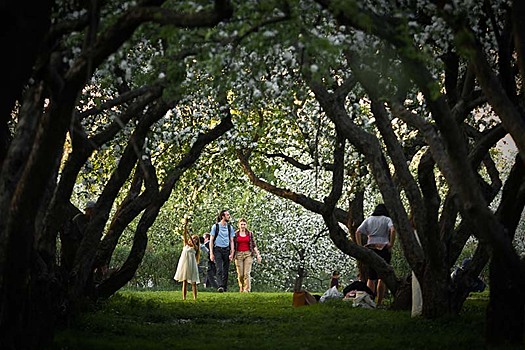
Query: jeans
[222, 262]
[243, 263]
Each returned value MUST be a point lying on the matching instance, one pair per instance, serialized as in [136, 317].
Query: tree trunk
[506, 310]
[355, 218]
[403, 296]
[301, 273]
[434, 289]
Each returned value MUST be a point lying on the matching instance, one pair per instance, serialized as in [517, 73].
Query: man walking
[222, 248]
[211, 279]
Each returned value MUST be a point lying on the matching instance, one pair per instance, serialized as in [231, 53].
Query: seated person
[475, 285]
[334, 280]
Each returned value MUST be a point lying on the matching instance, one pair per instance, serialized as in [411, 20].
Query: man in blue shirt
[222, 248]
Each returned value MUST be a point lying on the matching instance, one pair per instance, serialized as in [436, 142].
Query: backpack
[230, 228]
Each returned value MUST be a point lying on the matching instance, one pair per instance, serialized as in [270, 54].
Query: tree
[349, 93]
[443, 91]
[298, 253]
[49, 111]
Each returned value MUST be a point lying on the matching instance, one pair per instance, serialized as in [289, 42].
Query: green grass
[162, 320]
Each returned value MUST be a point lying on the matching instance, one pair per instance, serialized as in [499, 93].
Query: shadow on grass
[162, 320]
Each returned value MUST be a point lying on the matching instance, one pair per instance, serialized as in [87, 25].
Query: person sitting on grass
[334, 280]
[474, 284]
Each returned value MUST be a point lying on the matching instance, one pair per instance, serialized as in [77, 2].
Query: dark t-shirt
[207, 245]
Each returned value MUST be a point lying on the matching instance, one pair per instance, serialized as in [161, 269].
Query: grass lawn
[162, 320]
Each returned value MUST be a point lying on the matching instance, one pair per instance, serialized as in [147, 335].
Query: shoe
[220, 290]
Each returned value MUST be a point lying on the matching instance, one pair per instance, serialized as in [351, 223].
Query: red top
[243, 243]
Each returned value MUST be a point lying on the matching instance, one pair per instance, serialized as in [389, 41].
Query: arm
[358, 237]
[212, 240]
[392, 237]
[255, 249]
[232, 246]
[185, 238]
[360, 231]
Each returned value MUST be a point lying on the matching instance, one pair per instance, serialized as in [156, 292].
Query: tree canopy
[334, 106]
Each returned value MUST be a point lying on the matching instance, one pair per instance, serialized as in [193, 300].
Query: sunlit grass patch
[162, 320]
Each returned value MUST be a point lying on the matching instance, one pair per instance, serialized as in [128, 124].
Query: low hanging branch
[337, 234]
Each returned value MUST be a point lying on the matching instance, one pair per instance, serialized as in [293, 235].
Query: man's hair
[221, 214]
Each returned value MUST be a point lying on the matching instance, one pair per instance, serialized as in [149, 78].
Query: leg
[247, 272]
[194, 290]
[381, 287]
[372, 285]
[372, 279]
[239, 268]
[184, 289]
[226, 268]
[219, 264]
[386, 254]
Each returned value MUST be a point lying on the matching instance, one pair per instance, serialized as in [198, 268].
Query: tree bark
[506, 311]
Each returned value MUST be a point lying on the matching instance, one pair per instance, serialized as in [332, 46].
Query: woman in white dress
[187, 268]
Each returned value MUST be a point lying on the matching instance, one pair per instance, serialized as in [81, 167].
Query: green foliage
[162, 320]
[157, 268]
[399, 262]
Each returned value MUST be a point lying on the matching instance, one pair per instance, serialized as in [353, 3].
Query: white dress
[187, 269]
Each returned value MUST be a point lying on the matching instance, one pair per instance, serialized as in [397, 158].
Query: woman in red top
[245, 249]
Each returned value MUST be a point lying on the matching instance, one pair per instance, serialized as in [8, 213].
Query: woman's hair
[243, 220]
[380, 210]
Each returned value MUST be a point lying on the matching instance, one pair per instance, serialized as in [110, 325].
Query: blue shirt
[223, 238]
